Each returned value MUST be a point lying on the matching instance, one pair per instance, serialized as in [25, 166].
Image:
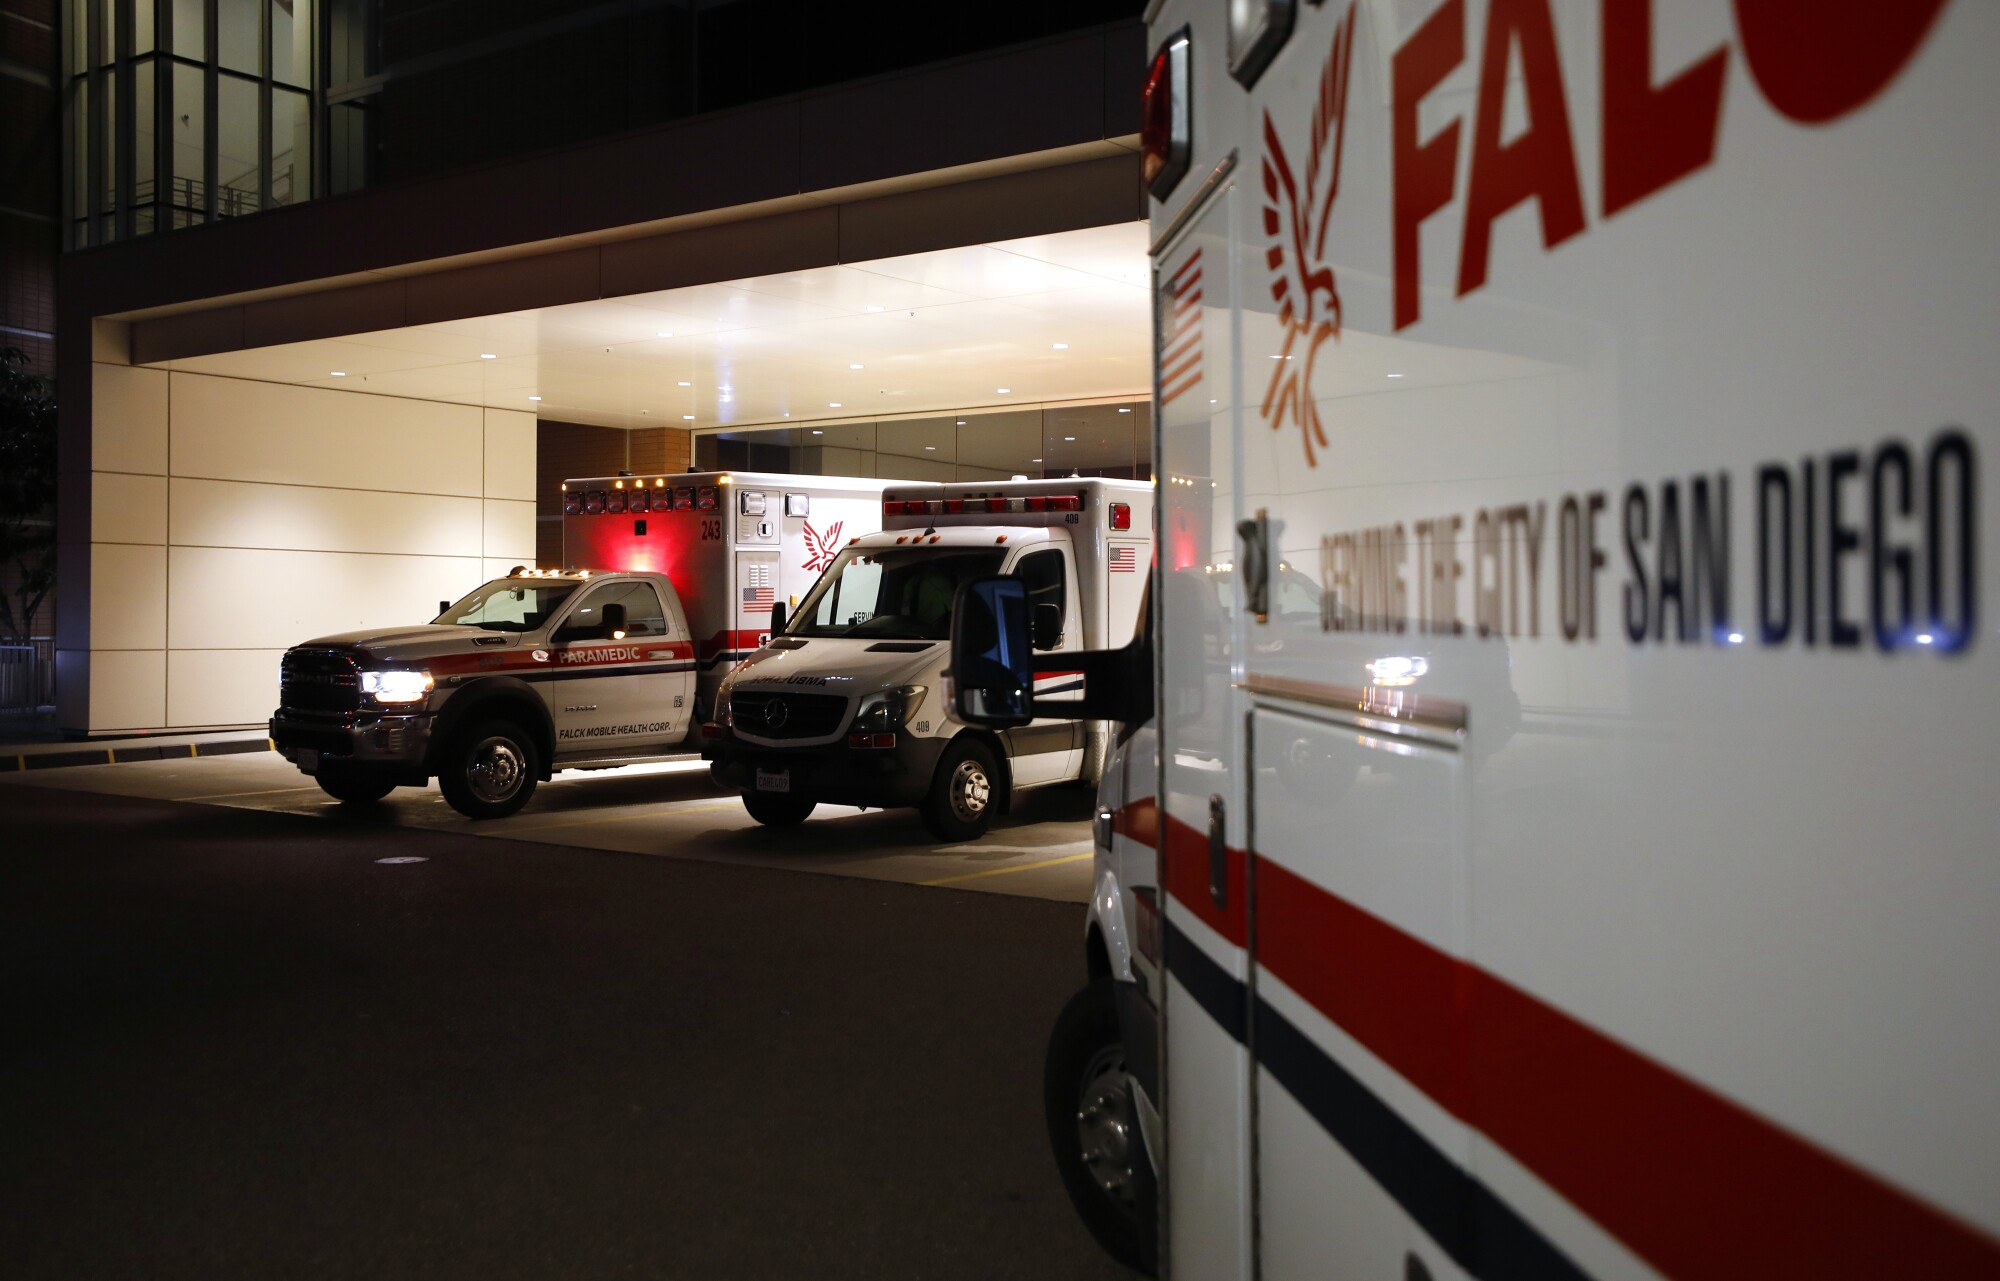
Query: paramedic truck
[1649, 347]
[846, 704]
[608, 662]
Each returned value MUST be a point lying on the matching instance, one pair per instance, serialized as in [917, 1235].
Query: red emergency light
[684, 499]
[1166, 134]
[572, 504]
[1121, 515]
[704, 498]
[593, 503]
[614, 503]
[996, 504]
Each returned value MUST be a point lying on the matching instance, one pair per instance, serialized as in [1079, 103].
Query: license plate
[308, 760]
[774, 780]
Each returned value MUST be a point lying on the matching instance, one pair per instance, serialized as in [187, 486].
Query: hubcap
[497, 770]
[970, 790]
[1104, 1127]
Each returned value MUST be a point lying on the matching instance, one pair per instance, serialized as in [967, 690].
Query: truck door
[1203, 919]
[609, 692]
[1044, 751]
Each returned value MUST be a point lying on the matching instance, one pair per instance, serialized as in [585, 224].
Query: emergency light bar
[993, 503]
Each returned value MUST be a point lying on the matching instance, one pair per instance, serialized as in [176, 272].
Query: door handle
[1218, 853]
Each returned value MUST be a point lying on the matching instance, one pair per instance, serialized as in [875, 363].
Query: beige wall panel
[234, 429]
[510, 454]
[128, 419]
[221, 686]
[128, 689]
[218, 513]
[128, 509]
[510, 530]
[229, 598]
[128, 597]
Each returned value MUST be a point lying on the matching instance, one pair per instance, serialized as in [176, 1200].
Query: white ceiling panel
[930, 332]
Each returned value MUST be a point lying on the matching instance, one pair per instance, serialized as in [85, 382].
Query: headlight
[723, 715]
[397, 687]
[888, 710]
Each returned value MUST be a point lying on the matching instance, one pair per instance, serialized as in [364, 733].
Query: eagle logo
[821, 548]
[1296, 219]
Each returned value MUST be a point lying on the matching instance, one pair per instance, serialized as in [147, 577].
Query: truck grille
[783, 714]
[318, 681]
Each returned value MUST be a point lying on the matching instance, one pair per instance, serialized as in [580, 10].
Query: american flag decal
[1180, 332]
[758, 593]
[1125, 560]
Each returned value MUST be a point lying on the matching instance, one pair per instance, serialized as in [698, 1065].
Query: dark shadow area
[238, 1046]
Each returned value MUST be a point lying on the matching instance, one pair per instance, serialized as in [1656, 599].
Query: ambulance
[611, 661]
[735, 545]
[1558, 839]
[846, 703]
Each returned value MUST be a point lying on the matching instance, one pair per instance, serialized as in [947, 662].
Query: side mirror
[992, 673]
[613, 625]
[1048, 625]
[779, 617]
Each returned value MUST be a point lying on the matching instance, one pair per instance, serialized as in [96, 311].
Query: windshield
[508, 605]
[896, 593]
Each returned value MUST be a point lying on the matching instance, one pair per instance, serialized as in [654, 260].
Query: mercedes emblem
[776, 713]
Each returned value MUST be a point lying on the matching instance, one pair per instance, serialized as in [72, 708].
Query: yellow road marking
[110, 757]
[1002, 871]
[618, 818]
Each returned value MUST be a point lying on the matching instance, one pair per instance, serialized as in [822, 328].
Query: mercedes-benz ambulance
[1598, 879]
[846, 704]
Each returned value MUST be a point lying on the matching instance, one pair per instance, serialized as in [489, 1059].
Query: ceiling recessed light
[340, 373]
[931, 448]
[1124, 411]
[726, 399]
[1069, 438]
[687, 418]
[874, 308]
[854, 366]
[683, 384]
[534, 398]
[487, 355]
[1395, 375]
[1002, 390]
[645, 411]
[1034, 460]
[788, 413]
[666, 333]
[833, 404]
[818, 432]
[1062, 346]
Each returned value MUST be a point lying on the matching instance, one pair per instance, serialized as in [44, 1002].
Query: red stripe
[1695, 1184]
[1192, 264]
[1169, 397]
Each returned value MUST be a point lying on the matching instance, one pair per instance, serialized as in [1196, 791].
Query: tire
[778, 811]
[354, 784]
[490, 770]
[1093, 1124]
[962, 798]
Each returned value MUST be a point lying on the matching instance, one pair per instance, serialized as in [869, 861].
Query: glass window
[107, 192]
[107, 27]
[79, 160]
[508, 605]
[142, 30]
[145, 136]
[643, 614]
[191, 29]
[291, 147]
[896, 593]
[77, 31]
[291, 41]
[1047, 582]
[190, 132]
[239, 32]
[236, 168]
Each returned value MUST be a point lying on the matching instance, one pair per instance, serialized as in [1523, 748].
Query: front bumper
[398, 739]
[836, 774]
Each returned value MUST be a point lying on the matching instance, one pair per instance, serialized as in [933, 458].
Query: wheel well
[1096, 957]
[520, 705]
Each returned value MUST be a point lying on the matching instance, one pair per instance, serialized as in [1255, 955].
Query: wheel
[960, 805]
[490, 771]
[346, 781]
[1093, 1123]
[777, 811]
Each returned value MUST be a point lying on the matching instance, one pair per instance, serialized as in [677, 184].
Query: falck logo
[1296, 220]
[820, 548]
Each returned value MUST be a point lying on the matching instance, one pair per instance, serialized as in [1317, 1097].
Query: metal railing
[27, 681]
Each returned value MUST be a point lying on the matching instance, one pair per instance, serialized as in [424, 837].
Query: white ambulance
[846, 703]
[1563, 843]
[735, 544]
